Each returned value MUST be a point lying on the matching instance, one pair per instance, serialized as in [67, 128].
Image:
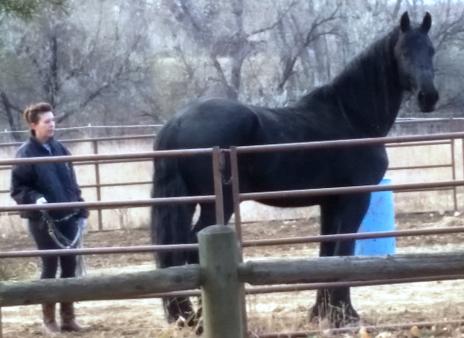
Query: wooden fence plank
[358, 268]
[102, 287]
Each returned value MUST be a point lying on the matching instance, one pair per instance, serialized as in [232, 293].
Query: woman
[52, 182]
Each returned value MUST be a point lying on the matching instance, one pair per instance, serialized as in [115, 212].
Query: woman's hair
[32, 112]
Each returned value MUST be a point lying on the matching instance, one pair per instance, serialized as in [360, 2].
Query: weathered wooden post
[221, 291]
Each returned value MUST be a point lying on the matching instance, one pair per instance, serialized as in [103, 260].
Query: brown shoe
[49, 321]
[68, 318]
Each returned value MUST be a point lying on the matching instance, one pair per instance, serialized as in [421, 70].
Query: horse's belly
[291, 202]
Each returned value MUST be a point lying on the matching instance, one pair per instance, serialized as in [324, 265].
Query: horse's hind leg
[342, 214]
[176, 308]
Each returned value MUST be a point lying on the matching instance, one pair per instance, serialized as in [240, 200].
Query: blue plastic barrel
[379, 217]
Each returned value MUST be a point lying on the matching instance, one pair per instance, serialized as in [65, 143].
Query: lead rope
[63, 242]
[81, 269]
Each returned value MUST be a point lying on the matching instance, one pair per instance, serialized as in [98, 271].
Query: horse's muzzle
[427, 99]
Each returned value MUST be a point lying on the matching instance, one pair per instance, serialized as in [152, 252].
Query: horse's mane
[367, 85]
[380, 52]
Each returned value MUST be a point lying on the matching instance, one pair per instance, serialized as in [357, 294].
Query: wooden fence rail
[221, 277]
[352, 268]
[105, 287]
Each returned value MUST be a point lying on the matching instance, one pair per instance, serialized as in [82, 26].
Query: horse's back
[208, 123]
[225, 123]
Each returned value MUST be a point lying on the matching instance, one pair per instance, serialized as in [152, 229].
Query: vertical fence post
[218, 159]
[236, 191]
[222, 298]
[235, 181]
[97, 183]
[453, 169]
[1, 327]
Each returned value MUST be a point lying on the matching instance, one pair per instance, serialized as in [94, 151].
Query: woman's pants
[39, 232]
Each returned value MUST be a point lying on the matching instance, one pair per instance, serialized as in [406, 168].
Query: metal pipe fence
[391, 142]
[217, 157]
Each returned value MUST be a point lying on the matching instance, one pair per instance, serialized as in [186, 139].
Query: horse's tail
[171, 223]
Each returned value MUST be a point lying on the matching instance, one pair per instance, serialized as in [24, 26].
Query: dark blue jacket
[54, 181]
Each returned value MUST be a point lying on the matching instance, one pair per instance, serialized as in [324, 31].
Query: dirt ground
[276, 312]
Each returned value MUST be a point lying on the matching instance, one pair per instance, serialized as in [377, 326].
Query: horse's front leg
[341, 214]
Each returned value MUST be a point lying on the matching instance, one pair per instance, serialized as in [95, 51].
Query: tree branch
[449, 31]
[312, 35]
[9, 107]
[281, 16]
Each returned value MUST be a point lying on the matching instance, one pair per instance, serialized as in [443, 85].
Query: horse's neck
[368, 91]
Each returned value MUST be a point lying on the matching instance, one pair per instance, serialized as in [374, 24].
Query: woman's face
[45, 127]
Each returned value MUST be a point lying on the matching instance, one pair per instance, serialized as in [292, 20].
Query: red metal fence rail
[238, 197]
[393, 142]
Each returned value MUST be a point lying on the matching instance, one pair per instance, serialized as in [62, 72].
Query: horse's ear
[405, 24]
[426, 23]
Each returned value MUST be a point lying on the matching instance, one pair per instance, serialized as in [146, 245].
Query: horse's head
[414, 54]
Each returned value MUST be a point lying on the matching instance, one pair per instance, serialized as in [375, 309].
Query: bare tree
[226, 49]
[136, 61]
[92, 74]
[300, 39]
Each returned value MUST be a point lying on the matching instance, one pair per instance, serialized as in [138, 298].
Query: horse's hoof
[199, 328]
[192, 320]
[317, 313]
[344, 319]
[332, 316]
[181, 322]
[179, 310]
[313, 314]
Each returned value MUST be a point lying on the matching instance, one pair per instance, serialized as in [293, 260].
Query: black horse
[363, 101]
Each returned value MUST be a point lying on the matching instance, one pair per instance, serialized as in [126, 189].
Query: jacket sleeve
[22, 188]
